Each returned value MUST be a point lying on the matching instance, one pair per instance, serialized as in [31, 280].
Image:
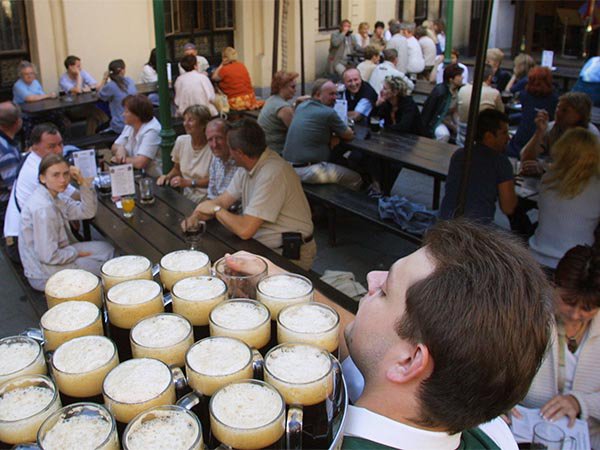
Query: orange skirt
[245, 102]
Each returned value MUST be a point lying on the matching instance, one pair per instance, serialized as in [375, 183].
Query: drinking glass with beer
[128, 205]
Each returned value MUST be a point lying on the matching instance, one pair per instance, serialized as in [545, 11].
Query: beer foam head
[308, 318]
[246, 405]
[218, 356]
[298, 363]
[161, 330]
[173, 428]
[184, 260]
[83, 354]
[197, 289]
[285, 286]
[22, 402]
[239, 314]
[70, 283]
[84, 427]
[16, 353]
[134, 292]
[69, 316]
[137, 380]
[126, 266]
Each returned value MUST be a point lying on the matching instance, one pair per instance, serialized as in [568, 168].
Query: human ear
[412, 362]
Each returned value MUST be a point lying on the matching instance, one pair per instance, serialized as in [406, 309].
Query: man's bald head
[10, 118]
[324, 91]
[352, 80]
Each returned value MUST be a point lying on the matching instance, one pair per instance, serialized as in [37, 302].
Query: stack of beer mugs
[117, 365]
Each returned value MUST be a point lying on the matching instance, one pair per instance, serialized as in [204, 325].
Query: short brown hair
[580, 102]
[452, 70]
[188, 62]
[139, 105]
[48, 161]
[371, 51]
[318, 85]
[485, 315]
[199, 112]
[247, 135]
[578, 274]
[280, 79]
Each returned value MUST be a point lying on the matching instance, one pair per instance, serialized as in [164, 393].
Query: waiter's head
[45, 139]
[453, 334]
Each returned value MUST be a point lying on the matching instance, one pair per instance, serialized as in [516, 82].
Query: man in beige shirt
[273, 201]
[490, 99]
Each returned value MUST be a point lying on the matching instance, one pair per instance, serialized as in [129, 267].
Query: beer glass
[103, 184]
[182, 264]
[72, 425]
[195, 297]
[245, 319]
[69, 320]
[241, 274]
[304, 376]
[310, 323]
[169, 426]
[128, 204]
[278, 291]
[127, 303]
[25, 402]
[193, 231]
[125, 268]
[164, 336]
[248, 414]
[213, 363]
[20, 355]
[80, 365]
[146, 193]
[73, 284]
[137, 385]
[550, 437]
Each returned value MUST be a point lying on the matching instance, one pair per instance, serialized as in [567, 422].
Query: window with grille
[14, 45]
[330, 13]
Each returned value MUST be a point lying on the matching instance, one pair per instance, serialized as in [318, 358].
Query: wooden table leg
[436, 193]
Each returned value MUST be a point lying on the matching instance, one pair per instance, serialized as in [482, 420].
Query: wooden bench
[334, 196]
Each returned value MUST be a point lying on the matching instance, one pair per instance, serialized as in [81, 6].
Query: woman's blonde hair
[229, 54]
[576, 160]
[363, 26]
[523, 64]
[495, 54]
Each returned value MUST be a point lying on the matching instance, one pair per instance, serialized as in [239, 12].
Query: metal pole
[302, 80]
[449, 29]
[167, 133]
[482, 44]
[275, 38]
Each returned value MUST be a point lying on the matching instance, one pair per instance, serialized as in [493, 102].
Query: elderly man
[429, 381]
[398, 42]
[273, 202]
[45, 139]
[359, 94]
[222, 166]
[388, 69]
[10, 156]
[28, 89]
[190, 49]
[307, 145]
[416, 61]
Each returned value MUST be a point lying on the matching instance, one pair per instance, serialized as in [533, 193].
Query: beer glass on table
[73, 284]
[125, 268]
[193, 231]
[65, 428]
[20, 355]
[128, 205]
[182, 264]
[25, 402]
[146, 192]
[548, 436]
[69, 320]
[241, 273]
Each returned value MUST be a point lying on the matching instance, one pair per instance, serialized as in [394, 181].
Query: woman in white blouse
[193, 88]
[139, 143]
[568, 381]
[46, 243]
[191, 156]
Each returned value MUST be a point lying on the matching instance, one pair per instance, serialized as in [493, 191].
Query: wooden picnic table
[420, 154]
[67, 102]
[154, 230]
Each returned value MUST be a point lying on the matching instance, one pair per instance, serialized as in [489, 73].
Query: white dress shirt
[399, 43]
[416, 62]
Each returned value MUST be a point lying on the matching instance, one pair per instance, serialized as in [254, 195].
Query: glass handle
[189, 401]
[202, 225]
[293, 427]
[179, 380]
[28, 446]
[36, 334]
[167, 299]
[258, 364]
[155, 270]
[337, 385]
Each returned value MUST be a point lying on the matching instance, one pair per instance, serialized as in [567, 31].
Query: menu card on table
[85, 161]
[121, 180]
[341, 107]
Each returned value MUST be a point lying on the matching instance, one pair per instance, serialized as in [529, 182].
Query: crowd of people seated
[260, 166]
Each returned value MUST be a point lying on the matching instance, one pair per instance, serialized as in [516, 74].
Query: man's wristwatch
[194, 183]
[216, 209]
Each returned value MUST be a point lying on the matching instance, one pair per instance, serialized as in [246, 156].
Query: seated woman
[114, 91]
[362, 38]
[572, 388]
[538, 94]
[46, 244]
[193, 88]
[501, 77]
[398, 109]
[139, 143]
[569, 210]
[523, 63]
[149, 74]
[191, 156]
[234, 80]
[277, 114]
